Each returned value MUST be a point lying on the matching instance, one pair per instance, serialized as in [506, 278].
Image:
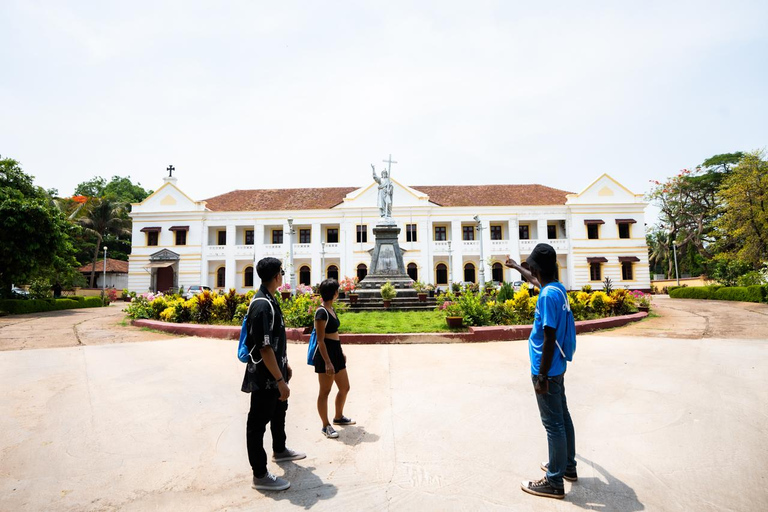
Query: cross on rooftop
[170, 170]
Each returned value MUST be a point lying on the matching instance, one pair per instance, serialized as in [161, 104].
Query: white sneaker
[330, 432]
[270, 482]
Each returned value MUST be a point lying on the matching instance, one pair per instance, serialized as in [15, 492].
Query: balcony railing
[559, 244]
[331, 248]
[273, 249]
[500, 246]
[470, 246]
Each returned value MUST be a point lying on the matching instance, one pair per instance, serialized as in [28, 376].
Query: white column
[317, 237]
[230, 273]
[571, 281]
[457, 246]
[542, 228]
[487, 250]
[258, 246]
[514, 247]
[204, 255]
[424, 245]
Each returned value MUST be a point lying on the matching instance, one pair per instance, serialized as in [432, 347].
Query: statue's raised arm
[375, 178]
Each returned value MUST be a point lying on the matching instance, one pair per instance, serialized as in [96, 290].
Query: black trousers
[266, 407]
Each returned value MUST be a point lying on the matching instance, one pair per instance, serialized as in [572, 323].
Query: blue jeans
[560, 436]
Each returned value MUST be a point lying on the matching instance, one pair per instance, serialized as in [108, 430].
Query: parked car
[194, 290]
[19, 293]
[517, 285]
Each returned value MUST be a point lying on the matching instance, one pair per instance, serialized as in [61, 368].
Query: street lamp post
[322, 261]
[104, 280]
[674, 251]
[450, 266]
[482, 258]
[290, 257]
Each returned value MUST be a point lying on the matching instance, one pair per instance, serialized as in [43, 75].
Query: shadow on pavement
[354, 435]
[306, 490]
[594, 494]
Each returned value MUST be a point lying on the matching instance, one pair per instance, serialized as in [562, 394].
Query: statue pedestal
[386, 263]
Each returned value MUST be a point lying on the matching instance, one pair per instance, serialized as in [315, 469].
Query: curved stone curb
[473, 334]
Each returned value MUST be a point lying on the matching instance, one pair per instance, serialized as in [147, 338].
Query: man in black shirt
[266, 378]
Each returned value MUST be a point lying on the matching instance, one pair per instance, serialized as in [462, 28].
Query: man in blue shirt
[551, 342]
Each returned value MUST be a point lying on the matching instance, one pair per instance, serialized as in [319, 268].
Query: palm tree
[103, 216]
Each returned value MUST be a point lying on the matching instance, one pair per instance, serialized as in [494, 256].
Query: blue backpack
[243, 354]
[568, 346]
[312, 347]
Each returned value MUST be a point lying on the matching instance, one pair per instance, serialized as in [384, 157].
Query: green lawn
[373, 322]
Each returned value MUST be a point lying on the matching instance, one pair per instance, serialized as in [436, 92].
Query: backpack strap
[271, 323]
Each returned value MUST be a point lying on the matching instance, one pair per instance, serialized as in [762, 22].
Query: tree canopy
[119, 188]
[34, 235]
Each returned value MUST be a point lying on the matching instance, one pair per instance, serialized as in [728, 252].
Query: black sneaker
[542, 488]
[571, 475]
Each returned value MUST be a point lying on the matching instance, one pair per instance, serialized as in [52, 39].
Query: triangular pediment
[164, 255]
[606, 190]
[168, 198]
[402, 196]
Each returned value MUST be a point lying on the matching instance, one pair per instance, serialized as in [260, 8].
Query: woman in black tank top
[329, 360]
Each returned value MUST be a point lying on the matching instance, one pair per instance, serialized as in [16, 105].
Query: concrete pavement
[661, 424]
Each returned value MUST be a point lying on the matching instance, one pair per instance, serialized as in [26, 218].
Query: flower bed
[211, 308]
[480, 309]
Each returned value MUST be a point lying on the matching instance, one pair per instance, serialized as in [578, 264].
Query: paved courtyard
[670, 414]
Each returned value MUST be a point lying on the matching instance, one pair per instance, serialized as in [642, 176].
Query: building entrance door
[164, 279]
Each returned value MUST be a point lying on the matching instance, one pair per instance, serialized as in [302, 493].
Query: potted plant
[454, 316]
[388, 293]
[349, 285]
[489, 287]
[285, 290]
[643, 300]
[126, 296]
[421, 290]
[456, 289]
[430, 289]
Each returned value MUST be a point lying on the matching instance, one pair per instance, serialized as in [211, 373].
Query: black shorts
[334, 353]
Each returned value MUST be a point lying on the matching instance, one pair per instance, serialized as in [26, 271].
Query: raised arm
[523, 271]
[375, 178]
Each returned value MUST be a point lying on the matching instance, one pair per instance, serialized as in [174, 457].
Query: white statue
[385, 192]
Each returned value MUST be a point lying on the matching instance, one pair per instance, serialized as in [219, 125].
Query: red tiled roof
[113, 266]
[493, 195]
[445, 195]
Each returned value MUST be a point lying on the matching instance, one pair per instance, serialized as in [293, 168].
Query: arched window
[497, 272]
[413, 271]
[441, 274]
[305, 276]
[362, 271]
[469, 272]
[333, 272]
[248, 277]
[220, 277]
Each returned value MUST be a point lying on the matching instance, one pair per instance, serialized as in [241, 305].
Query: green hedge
[20, 307]
[737, 293]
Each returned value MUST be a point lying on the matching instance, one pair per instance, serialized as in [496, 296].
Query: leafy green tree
[689, 206]
[119, 188]
[34, 235]
[91, 188]
[103, 217]
[744, 222]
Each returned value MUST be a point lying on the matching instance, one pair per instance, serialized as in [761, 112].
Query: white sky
[290, 94]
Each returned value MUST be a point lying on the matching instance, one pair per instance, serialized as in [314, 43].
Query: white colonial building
[597, 233]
